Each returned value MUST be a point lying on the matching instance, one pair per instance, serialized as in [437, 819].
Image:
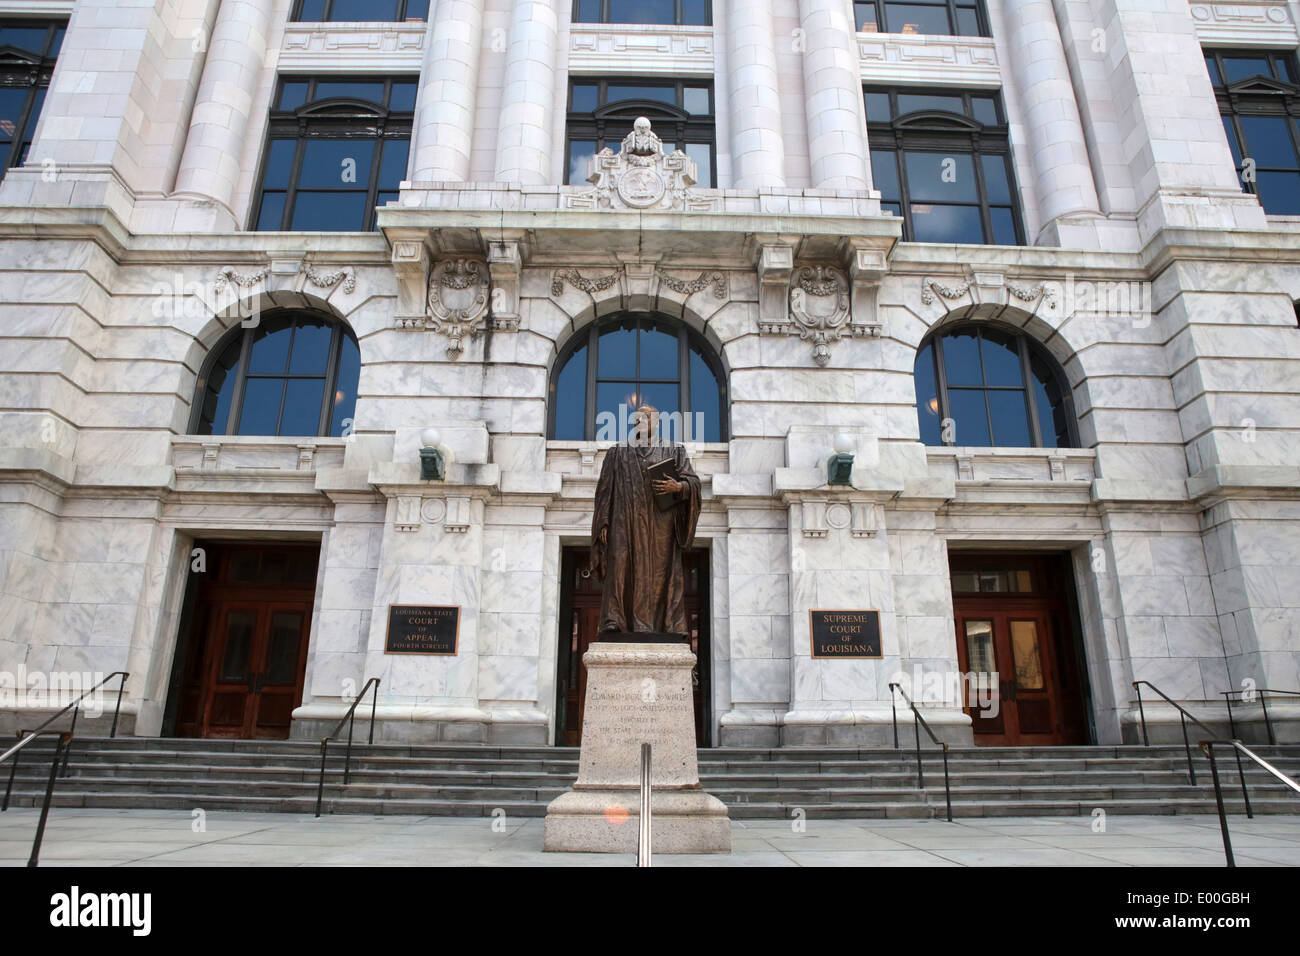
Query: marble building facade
[1162, 293]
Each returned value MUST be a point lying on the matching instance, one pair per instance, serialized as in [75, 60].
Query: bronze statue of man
[641, 525]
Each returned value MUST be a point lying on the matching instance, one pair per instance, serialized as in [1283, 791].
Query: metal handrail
[643, 852]
[32, 735]
[61, 747]
[1239, 748]
[917, 723]
[348, 718]
[1263, 693]
[1184, 715]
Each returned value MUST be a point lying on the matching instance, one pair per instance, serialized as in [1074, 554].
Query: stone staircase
[475, 780]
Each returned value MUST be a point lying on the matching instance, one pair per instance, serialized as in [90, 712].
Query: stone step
[474, 780]
[431, 776]
[845, 810]
[547, 761]
[210, 745]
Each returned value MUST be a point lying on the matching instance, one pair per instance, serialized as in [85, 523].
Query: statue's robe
[641, 563]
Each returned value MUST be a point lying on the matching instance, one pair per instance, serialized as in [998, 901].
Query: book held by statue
[659, 471]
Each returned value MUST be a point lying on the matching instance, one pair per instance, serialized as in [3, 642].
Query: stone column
[219, 125]
[836, 116]
[757, 147]
[444, 122]
[528, 95]
[1059, 158]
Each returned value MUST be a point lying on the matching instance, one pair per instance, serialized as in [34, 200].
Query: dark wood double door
[1016, 644]
[580, 619]
[244, 640]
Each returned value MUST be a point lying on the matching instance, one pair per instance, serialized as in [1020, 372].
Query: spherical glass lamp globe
[844, 444]
[430, 437]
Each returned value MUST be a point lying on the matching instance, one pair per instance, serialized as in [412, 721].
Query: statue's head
[645, 423]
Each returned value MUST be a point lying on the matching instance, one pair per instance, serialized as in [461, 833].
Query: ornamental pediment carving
[642, 176]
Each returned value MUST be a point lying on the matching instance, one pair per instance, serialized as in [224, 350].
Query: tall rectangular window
[336, 149]
[674, 12]
[958, 18]
[602, 111]
[349, 11]
[941, 159]
[1259, 99]
[28, 51]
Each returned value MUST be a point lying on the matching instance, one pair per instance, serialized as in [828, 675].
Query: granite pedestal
[638, 692]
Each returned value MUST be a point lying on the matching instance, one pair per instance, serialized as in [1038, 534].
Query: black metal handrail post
[13, 770]
[60, 748]
[1187, 746]
[348, 719]
[1218, 799]
[1239, 748]
[1183, 714]
[919, 722]
[1263, 693]
[1142, 712]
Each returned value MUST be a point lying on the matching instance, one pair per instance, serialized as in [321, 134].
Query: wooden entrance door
[580, 619]
[1013, 628]
[246, 650]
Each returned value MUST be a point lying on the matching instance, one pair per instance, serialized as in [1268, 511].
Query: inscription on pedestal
[852, 634]
[631, 719]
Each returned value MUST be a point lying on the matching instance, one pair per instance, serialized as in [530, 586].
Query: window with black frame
[294, 373]
[987, 385]
[28, 51]
[942, 160]
[1259, 99]
[350, 11]
[602, 111]
[612, 366]
[957, 18]
[336, 148]
[668, 12]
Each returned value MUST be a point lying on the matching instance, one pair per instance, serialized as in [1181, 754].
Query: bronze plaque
[422, 629]
[845, 633]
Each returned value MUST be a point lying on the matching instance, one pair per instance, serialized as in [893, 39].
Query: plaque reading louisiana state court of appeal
[845, 633]
[422, 629]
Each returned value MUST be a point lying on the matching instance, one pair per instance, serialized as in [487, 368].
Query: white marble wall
[1179, 511]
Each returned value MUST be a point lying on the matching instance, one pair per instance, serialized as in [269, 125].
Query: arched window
[294, 373]
[993, 386]
[633, 358]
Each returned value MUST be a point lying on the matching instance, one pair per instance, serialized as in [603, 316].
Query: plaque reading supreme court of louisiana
[422, 629]
[845, 633]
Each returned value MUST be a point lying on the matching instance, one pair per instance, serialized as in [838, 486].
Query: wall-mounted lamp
[433, 467]
[840, 468]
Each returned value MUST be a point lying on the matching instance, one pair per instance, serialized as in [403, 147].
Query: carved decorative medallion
[459, 291]
[819, 310]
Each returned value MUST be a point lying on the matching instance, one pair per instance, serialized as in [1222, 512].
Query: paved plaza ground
[85, 837]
